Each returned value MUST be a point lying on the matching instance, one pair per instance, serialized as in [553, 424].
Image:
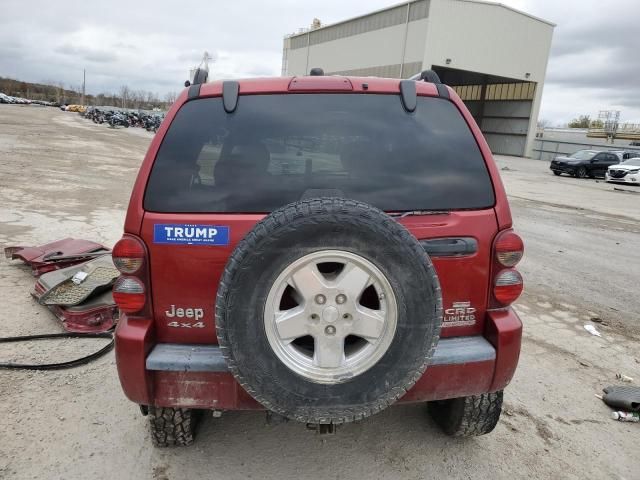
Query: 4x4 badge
[460, 314]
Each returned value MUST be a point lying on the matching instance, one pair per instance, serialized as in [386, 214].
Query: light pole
[84, 80]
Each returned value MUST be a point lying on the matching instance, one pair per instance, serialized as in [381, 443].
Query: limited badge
[460, 314]
[191, 234]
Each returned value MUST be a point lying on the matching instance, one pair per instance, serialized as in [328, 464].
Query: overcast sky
[594, 65]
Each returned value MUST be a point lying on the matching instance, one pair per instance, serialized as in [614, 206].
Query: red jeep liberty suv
[319, 247]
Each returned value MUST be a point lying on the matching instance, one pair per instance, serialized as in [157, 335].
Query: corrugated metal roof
[481, 2]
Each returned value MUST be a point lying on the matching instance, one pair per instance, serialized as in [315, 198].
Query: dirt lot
[61, 176]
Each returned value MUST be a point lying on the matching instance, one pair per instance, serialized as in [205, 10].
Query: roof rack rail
[200, 76]
[432, 77]
[426, 76]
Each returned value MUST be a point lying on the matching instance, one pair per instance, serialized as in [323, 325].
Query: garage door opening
[501, 106]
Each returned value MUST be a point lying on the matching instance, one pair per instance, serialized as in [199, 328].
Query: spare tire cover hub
[320, 324]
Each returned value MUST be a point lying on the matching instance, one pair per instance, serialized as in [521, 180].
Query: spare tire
[328, 311]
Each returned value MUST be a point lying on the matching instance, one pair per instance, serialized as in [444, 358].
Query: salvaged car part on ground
[84, 307]
[75, 279]
[55, 255]
[73, 285]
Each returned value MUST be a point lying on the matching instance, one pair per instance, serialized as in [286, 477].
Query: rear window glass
[278, 149]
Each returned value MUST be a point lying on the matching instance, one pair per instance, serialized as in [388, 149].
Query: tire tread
[171, 426]
[468, 416]
[283, 219]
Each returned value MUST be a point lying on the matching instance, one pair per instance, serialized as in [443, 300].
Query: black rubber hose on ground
[61, 365]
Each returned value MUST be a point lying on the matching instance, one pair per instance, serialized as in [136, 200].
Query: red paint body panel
[440, 382]
[189, 275]
[80, 319]
[201, 390]
[134, 340]
[51, 256]
[504, 331]
[221, 391]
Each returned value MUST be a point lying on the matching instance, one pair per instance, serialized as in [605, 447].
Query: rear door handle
[449, 247]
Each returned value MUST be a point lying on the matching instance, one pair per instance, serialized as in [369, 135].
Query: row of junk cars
[112, 117]
[117, 117]
[24, 101]
[616, 166]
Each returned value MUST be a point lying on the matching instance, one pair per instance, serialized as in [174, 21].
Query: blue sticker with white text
[182, 234]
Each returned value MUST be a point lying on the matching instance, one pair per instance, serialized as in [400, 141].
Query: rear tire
[468, 416]
[581, 172]
[172, 426]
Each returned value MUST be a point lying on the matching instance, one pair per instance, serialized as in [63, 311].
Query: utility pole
[84, 80]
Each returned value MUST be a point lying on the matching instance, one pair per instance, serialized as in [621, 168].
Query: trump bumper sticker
[191, 234]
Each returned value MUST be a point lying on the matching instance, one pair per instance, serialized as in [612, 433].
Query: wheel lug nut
[330, 330]
[321, 299]
[340, 299]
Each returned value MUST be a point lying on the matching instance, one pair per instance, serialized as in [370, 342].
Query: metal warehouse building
[494, 56]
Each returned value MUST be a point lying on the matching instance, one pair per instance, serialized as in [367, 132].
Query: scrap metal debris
[75, 280]
[62, 287]
[56, 255]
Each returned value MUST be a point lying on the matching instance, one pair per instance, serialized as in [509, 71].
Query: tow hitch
[323, 428]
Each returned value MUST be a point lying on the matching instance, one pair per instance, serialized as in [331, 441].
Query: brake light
[508, 249]
[129, 294]
[508, 286]
[128, 255]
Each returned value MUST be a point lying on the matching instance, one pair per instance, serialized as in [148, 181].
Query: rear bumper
[178, 375]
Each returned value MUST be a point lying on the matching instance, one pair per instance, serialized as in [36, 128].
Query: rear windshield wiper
[412, 213]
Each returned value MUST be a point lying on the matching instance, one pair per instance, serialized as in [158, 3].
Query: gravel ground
[61, 175]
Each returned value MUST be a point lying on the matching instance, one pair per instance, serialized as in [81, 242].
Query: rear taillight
[509, 249]
[130, 292]
[508, 286]
[128, 255]
[507, 282]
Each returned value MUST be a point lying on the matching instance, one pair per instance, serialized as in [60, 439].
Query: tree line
[582, 121]
[53, 91]
[585, 121]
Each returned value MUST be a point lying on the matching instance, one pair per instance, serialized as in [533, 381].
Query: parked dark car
[584, 163]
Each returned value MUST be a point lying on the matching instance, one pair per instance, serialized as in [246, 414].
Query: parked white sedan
[625, 172]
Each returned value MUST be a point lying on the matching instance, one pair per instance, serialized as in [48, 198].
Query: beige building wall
[469, 35]
[492, 39]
